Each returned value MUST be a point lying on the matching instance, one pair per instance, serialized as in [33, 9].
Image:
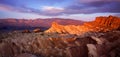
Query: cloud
[14, 9]
[52, 10]
[94, 6]
[89, 1]
[24, 9]
[6, 8]
[77, 7]
[46, 10]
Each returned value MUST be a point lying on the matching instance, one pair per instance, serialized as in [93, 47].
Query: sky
[85, 10]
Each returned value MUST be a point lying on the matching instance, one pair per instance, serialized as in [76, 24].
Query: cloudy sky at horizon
[74, 9]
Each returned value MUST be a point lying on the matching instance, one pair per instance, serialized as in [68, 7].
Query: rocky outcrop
[26, 31]
[36, 30]
[105, 23]
[101, 24]
[70, 29]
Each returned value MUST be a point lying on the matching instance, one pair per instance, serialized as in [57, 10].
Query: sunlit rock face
[71, 29]
[101, 24]
[104, 23]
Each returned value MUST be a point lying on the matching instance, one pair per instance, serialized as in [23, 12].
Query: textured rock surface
[101, 24]
[25, 55]
[106, 45]
[77, 51]
[71, 29]
[105, 23]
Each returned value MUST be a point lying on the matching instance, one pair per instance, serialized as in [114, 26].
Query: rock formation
[101, 24]
[36, 30]
[26, 31]
[105, 23]
[71, 29]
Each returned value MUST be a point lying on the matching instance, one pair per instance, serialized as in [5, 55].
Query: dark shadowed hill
[18, 24]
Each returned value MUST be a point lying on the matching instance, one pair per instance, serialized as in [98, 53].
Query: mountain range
[20, 24]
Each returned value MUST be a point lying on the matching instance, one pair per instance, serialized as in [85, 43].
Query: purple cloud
[48, 11]
[89, 1]
[94, 6]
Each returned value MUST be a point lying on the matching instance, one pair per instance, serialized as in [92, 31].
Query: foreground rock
[101, 46]
[77, 51]
[25, 55]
